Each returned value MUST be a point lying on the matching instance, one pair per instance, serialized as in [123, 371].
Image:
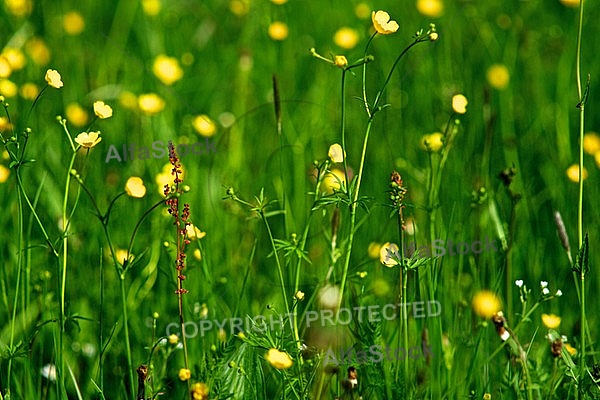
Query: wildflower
[498, 76]
[487, 396]
[49, 372]
[386, 254]
[15, 58]
[238, 7]
[5, 68]
[29, 91]
[299, 295]
[76, 114]
[430, 8]
[53, 78]
[519, 282]
[88, 140]
[204, 125]
[151, 103]
[329, 296]
[151, 7]
[558, 293]
[200, 391]
[551, 321]
[167, 69]
[333, 180]
[8, 88]
[193, 233]
[373, 250]
[545, 291]
[591, 143]
[336, 153]
[543, 284]
[340, 61]
[123, 255]
[346, 38]
[102, 110]
[362, 10]
[184, 374]
[432, 142]
[4, 173]
[433, 36]
[173, 338]
[459, 103]
[383, 24]
[128, 100]
[362, 274]
[135, 187]
[570, 3]
[485, 304]
[573, 173]
[19, 8]
[279, 359]
[279, 2]
[570, 349]
[278, 30]
[38, 51]
[197, 254]
[499, 321]
[73, 23]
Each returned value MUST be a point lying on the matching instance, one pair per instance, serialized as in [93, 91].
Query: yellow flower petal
[332, 180]
[185, 374]
[73, 23]
[591, 143]
[346, 38]
[498, 76]
[151, 7]
[387, 254]
[102, 110]
[88, 140]
[486, 304]
[151, 103]
[29, 91]
[76, 114]
[459, 104]
[279, 359]
[383, 23]
[4, 173]
[8, 88]
[53, 78]
[278, 30]
[573, 173]
[135, 187]
[167, 69]
[432, 142]
[204, 125]
[336, 154]
[430, 8]
[551, 321]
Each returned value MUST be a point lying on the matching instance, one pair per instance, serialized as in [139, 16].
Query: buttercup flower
[135, 187]
[383, 23]
[570, 3]
[193, 233]
[29, 91]
[498, 76]
[279, 1]
[573, 173]
[551, 321]
[76, 114]
[299, 295]
[329, 296]
[167, 69]
[278, 30]
[340, 61]
[336, 153]
[279, 359]
[373, 250]
[38, 51]
[459, 103]
[15, 58]
[151, 103]
[362, 10]
[8, 88]
[73, 23]
[19, 8]
[5, 68]
[4, 173]
[88, 140]
[591, 143]
[332, 180]
[102, 110]
[346, 38]
[54, 79]
[433, 142]
[430, 8]
[173, 338]
[387, 254]
[200, 391]
[184, 374]
[238, 7]
[151, 7]
[204, 125]
[485, 304]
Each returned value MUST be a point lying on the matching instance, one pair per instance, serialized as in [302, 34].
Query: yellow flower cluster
[200, 391]
[279, 359]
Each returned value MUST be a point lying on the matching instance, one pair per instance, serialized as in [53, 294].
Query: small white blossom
[544, 284]
[558, 293]
[519, 282]
[545, 291]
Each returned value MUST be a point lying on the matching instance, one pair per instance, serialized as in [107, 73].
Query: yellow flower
[551, 321]
[570, 349]
[498, 76]
[185, 374]
[373, 250]
[173, 339]
[387, 254]
[88, 140]
[151, 7]
[193, 233]
[5, 68]
[76, 114]
[102, 110]
[299, 295]
[239, 7]
[383, 23]
[197, 254]
[433, 36]
[430, 8]
[200, 391]
[19, 8]
[362, 10]
[329, 296]
[151, 103]
[597, 158]
[487, 396]
[591, 143]
[166, 178]
[121, 256]
[570, 3]
[128, 100]
[279, 1]
[15, 58]
[433, 142]
[333, 179]
[336, 153]
[38, 51]
[279, 359]
[459, 103]
[8, 88]
[135, 187]
[346, 38]
[485, 304]
[4, 173]
[29, 91]
[204, 125]
[340, 61]
[167, 69]
[573, 173]
[53, 78]
[73, 23]
[5, 125]
[278, 30]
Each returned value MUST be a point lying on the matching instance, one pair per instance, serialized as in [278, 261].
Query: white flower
[558, 293]
[545, 291]
[49, 372]
[544, 284]
[519, 282]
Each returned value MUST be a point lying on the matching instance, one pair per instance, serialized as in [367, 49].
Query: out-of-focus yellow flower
[19, 8]
[332, 180]
[346, 38]
[498, 76]
[591, 143]
[88, 139]
[387, 254]
[102, 110]
[204, 125]
[167, 69]
[459, 103]
[38, 51]
[380, 287]
[197, 254]
[597, 158]
[486, 304]
[278, 30]
[336, 154]
[121, 256]
[5, 125]
[570, 3]
[193, 233]
[135, 187]
[29, 91]
[570, 349]
[279, 1]
[433, 36]
[362, 10]
[383, 23]
[200, 391]
[551, 321]
[329, 296]
[173, 339]
[430, 8]
[573, 173]
[185, 374]
[151, 7]
[4, 173]
[5, 68]
[340, 61]
[15, 58]
[8, 88]
[53, 78]
[166, 178]
[487, 396]
[128, 100]
[432, 142]
[239, 7]
[279, 359]
[76, 114]
[373, 250]
[73, 23]
[299, 295]
[151, 103]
